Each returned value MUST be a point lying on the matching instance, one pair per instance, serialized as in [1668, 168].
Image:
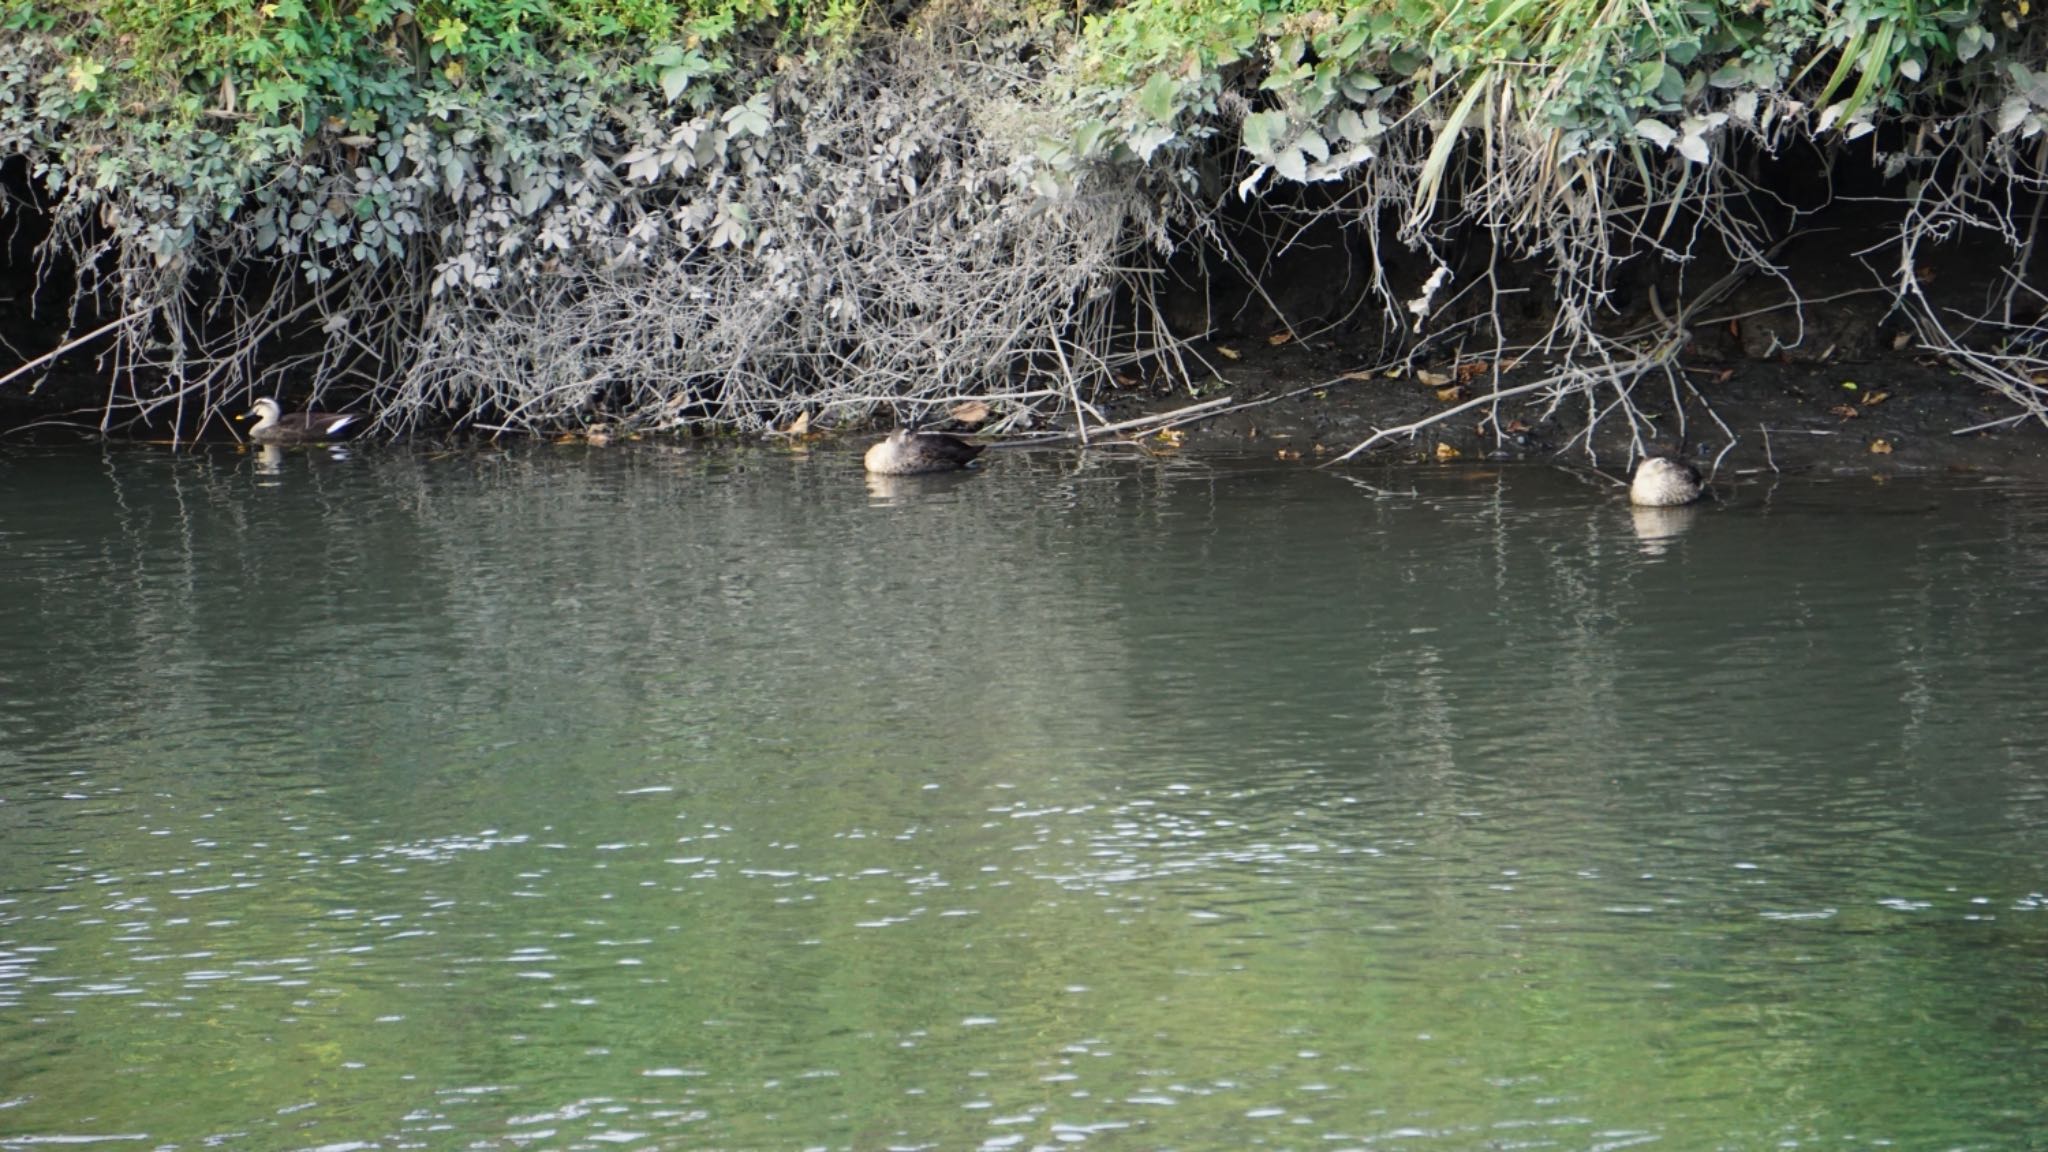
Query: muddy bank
[1885, 415]
[1812, 361]
[1830, 377]
[1892, 414]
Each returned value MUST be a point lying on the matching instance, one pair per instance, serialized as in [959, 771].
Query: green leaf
[1970, 41]
[1157, 97]
[751, 118]
[85, 74]
[1259, 130]
[1671, 87]
[1656, 132]
[1311, 142]
[1289, 162]
[1088, 138]
[1146, 141]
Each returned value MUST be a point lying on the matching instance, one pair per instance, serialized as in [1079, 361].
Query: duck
[908, 452]
[276, 426]
[1664, 482]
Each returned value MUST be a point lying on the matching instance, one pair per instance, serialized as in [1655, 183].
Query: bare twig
[71, 345]
[1411, 429]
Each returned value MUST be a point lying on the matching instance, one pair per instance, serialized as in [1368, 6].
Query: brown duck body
[1662, 482]
[908, 453]
[276, 426]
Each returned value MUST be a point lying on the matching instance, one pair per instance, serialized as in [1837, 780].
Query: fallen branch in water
[1142, 425]
[1380, 434]
[1359, 374]
[1561, 383]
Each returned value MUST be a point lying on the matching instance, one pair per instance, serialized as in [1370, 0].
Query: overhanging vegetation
[537, 214]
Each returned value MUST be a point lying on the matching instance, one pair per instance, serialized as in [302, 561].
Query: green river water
[674, 798]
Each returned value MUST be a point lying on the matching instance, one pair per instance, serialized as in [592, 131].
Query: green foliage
[359, 60]
[327, 130]
[1321, 79]
[199, 99]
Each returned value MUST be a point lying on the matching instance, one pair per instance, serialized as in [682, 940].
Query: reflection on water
[663, 797]
[269, 460]
[1658, 527]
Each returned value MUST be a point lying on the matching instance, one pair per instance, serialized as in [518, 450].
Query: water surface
[671, 798]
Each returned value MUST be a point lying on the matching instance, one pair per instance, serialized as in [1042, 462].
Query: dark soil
[1890, 415]
[1828, 379]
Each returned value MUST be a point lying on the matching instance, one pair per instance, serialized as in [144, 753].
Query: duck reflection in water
[1657, 528]
[887, 489]
[268, 461]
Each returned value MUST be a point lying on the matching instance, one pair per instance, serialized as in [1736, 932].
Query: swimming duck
[276, 426]
[907, 452]
[1664, 482]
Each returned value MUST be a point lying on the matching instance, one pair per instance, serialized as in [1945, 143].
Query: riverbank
[1885, 416]
[486, 218]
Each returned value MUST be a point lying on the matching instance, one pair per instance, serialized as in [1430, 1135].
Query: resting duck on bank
[908, 452]
[1663, 482]
[276, 426]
